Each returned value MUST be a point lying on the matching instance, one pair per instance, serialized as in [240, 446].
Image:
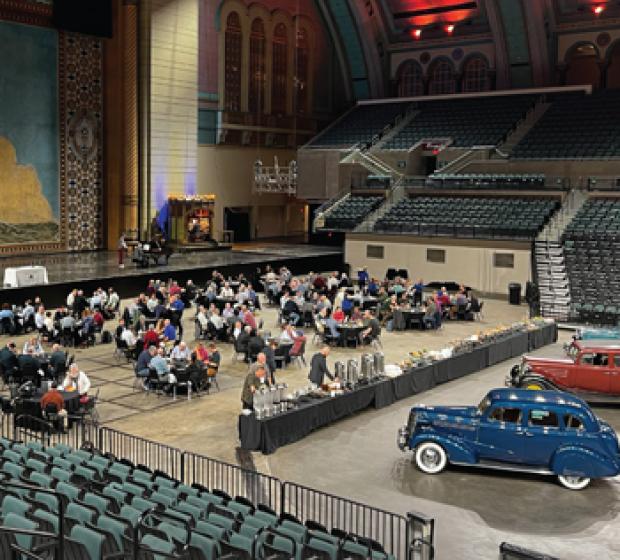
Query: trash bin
[514, 293]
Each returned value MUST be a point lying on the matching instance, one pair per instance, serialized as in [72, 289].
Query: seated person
[372, 330]
[162, 369]
[29, 367]
[33, 346]
[430, 314]
[243, 340]
[144, 362]
[7, 320]
[150, 337]
[180, 352]
[78, 381]
[53, 403]
[57, 361]
[201, 353]
[169, 333]
[329, 322]
[8, 360]
[217, 326]
[338, 315]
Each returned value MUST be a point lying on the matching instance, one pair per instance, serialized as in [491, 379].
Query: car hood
[444, 411]
[535, 360]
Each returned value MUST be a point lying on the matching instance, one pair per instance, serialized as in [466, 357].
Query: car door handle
[527, 434]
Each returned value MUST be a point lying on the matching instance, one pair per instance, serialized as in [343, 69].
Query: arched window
[582, 66]
[441, 78]
[613, 68]
[279, 70]
[232, 63]
[475, 75]
[410, 79]
[256, 100]
[301, 74]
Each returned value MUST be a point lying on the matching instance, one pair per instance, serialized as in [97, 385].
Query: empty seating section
[576, 126]
[486, 181]
[351, 211]
[482, 121]
[361, 125]
[478, 217]
[592, 256]
[110, 505]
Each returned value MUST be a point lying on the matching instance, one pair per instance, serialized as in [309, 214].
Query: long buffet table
[267, 434]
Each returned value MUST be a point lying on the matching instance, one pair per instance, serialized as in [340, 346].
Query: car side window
[573, 422]
[501, 414]
[594, 359]
[617, 360]
[544, 419]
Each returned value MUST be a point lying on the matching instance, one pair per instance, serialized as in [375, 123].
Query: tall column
[130, 115]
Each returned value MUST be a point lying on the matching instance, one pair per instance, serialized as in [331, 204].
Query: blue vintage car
[544, 432]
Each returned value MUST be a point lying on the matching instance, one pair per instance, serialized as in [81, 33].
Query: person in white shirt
[49, 323]
[95, 300]
[180, 352]
[71, 298]
[77, 380]
[39, 319]
[332, 281]
[128, 337]
[227, 291]
[242, 295]
[33, 346]
[113, 300]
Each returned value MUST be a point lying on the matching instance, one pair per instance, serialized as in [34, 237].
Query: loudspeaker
[91, 17]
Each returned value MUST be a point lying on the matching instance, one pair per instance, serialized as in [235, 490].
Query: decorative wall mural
[29, 135]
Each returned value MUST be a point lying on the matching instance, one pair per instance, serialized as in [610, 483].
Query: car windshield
[484, 405]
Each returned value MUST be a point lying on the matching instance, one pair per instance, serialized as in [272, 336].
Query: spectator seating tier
[481, 121]
[576, 126]
[361, 124]
[107, 502]
[351, 211]
[479, 217]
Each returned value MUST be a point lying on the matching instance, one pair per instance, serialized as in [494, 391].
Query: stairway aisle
[552, 276]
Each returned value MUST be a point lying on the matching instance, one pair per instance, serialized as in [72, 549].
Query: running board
[499, 466]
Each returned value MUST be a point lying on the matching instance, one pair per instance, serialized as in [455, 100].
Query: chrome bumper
[403, 438]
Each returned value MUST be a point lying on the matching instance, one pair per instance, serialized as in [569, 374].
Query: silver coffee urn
[367, 368]
[340, 371]
[352, 373]
[379, 361]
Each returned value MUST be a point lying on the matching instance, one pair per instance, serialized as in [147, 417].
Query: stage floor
[104, 264]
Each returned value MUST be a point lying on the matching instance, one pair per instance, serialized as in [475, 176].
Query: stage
[90, 270]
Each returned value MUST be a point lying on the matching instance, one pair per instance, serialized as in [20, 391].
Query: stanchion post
[421, 536]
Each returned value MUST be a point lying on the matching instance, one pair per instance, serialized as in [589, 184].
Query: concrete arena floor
[475, 510]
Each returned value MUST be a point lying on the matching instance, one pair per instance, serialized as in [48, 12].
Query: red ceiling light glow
[598, 10]
[416, 33]
[449, 29]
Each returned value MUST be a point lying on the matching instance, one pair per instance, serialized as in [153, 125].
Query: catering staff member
[77, 380]
[318, 367]
[253, 381]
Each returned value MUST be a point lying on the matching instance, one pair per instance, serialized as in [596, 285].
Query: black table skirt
[32, 407]
[269, 434]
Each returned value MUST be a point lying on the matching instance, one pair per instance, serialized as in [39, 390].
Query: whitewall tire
[573, 482]
[430, 457]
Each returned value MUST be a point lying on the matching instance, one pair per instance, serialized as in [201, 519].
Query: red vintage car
[592, 370]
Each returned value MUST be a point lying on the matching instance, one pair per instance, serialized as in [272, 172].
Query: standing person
[318, 367]
[122, 247]
[254, 380]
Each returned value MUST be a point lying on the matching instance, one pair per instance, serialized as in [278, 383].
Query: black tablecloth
[31, 406]
[269, 434]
